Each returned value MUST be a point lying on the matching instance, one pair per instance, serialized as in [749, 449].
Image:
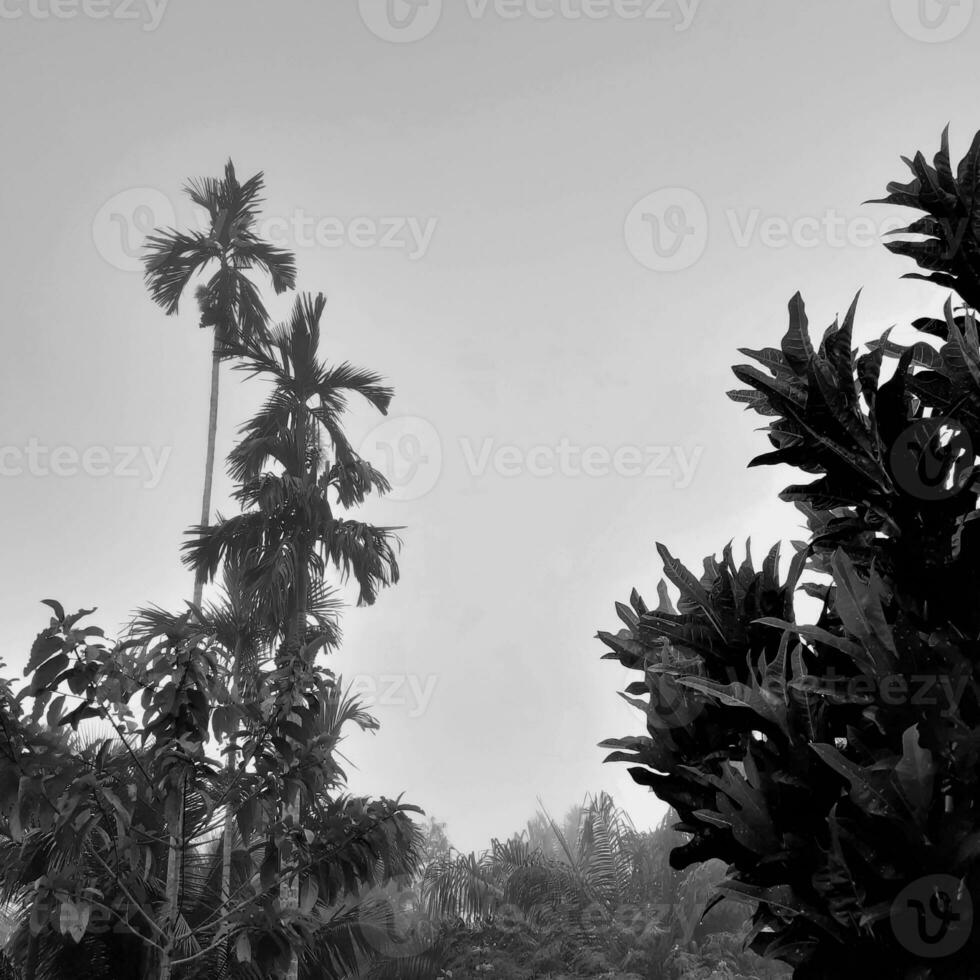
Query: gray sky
[548, 223]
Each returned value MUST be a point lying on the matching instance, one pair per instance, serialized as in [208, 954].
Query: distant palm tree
[229, 301]
[594, 867]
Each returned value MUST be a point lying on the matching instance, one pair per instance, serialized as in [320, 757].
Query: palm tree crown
[229, 300]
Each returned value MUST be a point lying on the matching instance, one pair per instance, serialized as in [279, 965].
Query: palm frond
[368, 554]
[171, 260]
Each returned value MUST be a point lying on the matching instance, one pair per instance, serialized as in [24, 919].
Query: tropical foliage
[202, 828]
[172, 803]
[833, 766]
[604, 903]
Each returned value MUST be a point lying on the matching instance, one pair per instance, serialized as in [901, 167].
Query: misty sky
[550, 224]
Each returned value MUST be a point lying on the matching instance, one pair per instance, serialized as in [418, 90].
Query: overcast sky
[550, 224]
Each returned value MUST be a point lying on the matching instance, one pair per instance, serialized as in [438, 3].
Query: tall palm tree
[288, 533]
[229, 301]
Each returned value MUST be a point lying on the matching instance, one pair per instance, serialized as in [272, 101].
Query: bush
[808, 757]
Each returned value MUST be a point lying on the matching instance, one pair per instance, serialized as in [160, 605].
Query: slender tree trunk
[230, 817]
[209, 463]
[228, 842]
[299, 635]
[175, 855]
[175, 871]
[295, 644]
[166, 967]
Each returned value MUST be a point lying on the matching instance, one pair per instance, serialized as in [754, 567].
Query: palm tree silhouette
[229, 301]
[288, 532]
